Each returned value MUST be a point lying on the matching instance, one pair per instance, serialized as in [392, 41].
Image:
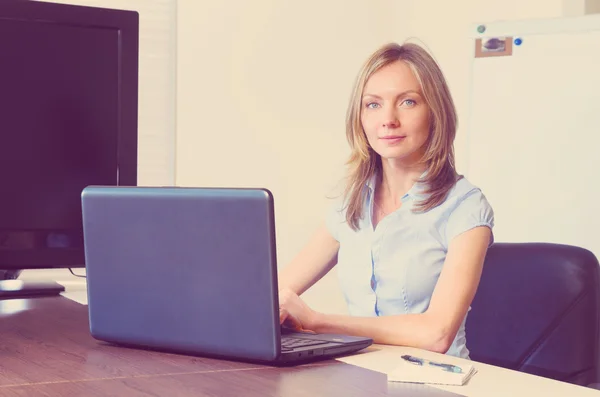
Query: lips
[393, 137]
[392, 140]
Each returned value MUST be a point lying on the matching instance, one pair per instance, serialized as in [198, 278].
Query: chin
[401, 154]
[395, 154]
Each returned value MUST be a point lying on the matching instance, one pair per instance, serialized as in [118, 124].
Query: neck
[397, 179]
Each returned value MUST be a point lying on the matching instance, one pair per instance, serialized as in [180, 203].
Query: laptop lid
[183, 269]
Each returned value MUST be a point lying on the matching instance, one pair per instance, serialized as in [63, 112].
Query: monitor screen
[69, 120]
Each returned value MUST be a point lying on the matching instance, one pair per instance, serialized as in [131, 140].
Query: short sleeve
[472, 210]
[334, 219]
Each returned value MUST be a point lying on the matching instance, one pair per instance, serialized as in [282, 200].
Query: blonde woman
[410, 235]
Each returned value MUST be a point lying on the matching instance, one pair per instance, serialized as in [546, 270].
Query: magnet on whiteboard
[481, 28]
[518, 41]
[494, 47]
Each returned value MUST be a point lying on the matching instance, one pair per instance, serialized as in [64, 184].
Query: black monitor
[68, 119]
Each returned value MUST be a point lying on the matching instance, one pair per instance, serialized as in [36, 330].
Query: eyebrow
[399, 95]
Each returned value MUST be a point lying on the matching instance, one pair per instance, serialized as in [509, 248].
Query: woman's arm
[311, 264]
[432, 330]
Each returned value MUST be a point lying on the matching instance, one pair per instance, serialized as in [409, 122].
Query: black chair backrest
[537, 310]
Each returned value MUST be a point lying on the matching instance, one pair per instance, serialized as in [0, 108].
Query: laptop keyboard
[289, 343]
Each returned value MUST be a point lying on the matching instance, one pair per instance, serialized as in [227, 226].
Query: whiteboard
[533, 136]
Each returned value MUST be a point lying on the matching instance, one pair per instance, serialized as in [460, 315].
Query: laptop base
[287, 360]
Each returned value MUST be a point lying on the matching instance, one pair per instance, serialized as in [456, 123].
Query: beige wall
[263, 86]
[262, 96]
[592, 6]
[573, 8]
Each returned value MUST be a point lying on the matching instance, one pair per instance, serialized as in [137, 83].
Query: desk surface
[46, 349]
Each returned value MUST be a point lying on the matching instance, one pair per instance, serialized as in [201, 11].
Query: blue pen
[421, 361]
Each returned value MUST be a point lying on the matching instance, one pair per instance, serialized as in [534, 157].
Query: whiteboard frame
[556, 25]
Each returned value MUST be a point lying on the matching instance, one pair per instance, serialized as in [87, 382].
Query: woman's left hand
[294, 313]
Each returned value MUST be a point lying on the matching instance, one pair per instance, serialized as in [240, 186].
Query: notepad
[407, 372]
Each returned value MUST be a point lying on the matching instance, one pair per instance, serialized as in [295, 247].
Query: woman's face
[394, 114]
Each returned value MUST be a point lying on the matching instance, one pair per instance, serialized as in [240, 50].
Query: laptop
[192, 271]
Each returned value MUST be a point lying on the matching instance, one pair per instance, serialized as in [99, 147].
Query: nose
[390, 120]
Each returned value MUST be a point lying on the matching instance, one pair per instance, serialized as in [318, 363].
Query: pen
[420, 361]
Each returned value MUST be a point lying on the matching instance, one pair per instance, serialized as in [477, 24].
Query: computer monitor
[68, 119]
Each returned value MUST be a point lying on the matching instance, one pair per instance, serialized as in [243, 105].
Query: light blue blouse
[393, 269]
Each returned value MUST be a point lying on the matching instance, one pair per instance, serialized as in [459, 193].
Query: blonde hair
[364, 162]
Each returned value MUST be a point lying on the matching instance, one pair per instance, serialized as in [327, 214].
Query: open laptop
[193, 271]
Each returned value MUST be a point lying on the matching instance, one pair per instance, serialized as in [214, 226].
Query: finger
[292, 322]
[283, 314]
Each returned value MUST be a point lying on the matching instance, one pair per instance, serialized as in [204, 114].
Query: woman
[410, 236]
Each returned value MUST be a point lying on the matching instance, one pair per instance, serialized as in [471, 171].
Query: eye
[409, 103]
[371, 105]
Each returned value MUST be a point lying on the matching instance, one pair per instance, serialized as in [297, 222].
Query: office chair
[537, 310]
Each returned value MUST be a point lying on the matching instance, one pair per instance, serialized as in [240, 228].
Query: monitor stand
[12, 288]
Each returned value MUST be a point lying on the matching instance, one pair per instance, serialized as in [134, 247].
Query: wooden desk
[46, 350]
